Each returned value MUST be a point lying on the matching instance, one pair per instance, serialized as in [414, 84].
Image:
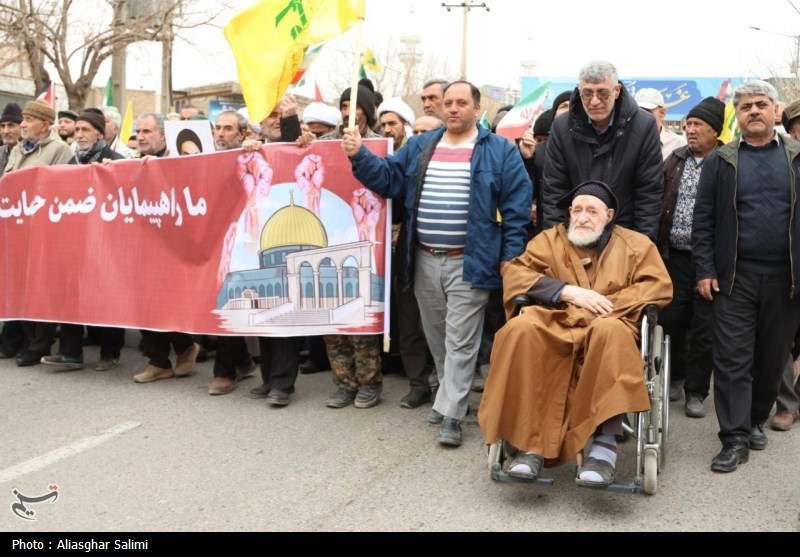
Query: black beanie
[11, 113]
[563, 96]
[542, 124]
[710, 110]
[95, 118]
[365, 99]
[595, 188]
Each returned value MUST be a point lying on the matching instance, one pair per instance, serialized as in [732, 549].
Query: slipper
[533, 461]
[601, 467]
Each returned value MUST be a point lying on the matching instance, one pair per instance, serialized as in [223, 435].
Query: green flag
[108, 100]
[362, 73]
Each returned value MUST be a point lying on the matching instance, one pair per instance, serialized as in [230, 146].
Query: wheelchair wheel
[659, 405]
[666, 375]
[650, 471]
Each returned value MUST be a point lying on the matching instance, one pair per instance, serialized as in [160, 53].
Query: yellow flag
[370, 62]
[268, 41]
[730, 127]
[126, 129]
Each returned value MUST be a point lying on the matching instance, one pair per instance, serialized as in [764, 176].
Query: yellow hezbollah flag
[370, 62]
[730, 127]
[269, 39]
[126, 129]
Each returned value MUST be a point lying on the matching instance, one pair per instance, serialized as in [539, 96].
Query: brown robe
[558, 371]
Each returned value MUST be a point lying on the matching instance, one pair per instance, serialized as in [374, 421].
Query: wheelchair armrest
[523, 300]
[651, 312]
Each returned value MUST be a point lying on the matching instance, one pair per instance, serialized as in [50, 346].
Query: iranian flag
[309, 56]
[519, 119]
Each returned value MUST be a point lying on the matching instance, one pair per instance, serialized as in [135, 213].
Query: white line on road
[62, 453]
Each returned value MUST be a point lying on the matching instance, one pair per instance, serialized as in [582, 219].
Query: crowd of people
[597, 211]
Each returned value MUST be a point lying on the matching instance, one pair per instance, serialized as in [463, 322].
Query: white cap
[400, 108]
[649, 98]
[322, 113]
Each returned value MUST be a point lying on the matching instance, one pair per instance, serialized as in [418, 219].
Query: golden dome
[293, 226]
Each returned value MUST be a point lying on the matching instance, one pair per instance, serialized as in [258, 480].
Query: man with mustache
[746, 246]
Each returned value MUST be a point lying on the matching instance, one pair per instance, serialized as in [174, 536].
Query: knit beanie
[95, 118]
[40, 110]
[365, 99]
[543, 122]
[563, 96]
[710, 110]
[11, 113]
[595, 188]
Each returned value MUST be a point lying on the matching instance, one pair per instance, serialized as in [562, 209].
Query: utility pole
[118, 67]
[467, 7]
[166, 64]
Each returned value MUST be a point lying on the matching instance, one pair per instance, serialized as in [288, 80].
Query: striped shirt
[444, 202]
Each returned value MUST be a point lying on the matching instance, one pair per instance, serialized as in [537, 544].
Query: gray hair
[442, 82]
[241, 121]
[755, 87]
[597, 71]
[112, 113]
[159, 118]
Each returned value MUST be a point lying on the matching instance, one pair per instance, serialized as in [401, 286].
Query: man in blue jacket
[468, 199]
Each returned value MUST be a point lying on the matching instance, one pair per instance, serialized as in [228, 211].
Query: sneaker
[341, 397]
[435, 418]
[450, 432]
[186, 360]
[63, 362]
[695, 408]
[277, 397]
[221, 385]
[415, 398]
[153, 373]
[105, 365]
[368, 395]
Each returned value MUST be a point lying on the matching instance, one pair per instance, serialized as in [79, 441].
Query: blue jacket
[499, 184]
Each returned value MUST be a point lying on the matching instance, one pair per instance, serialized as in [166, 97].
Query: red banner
[283, 242]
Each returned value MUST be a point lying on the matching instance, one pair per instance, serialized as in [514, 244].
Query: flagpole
[351, 119]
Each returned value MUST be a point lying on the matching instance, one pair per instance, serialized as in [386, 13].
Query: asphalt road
[166, 456]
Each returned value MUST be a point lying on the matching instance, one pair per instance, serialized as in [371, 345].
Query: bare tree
[76, 36]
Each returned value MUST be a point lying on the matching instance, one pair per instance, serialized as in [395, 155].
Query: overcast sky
[692, 38]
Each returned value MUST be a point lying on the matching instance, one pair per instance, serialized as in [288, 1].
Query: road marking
[62, 453]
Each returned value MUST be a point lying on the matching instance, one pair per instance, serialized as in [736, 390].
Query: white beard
[583, 239]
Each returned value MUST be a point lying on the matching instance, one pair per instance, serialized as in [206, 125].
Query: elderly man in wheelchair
[568, 367]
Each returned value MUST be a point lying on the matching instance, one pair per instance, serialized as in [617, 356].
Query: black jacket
[627, 157]
[715, 227]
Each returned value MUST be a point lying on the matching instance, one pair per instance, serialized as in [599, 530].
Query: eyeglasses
[602, 94]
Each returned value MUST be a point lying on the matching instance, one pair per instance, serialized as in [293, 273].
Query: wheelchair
[650, 429]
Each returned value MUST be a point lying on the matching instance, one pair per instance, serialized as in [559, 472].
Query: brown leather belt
[440, 252]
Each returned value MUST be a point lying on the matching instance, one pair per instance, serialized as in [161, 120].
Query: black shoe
[450, 432]
[730, 457]
[695, 408]
[309, 367]
[277, 397]
[260, 392]
[368, 395]
[758, 439]
[29, 358]
[7, 355]
[435, 418]
[675, 390]
[415, 398]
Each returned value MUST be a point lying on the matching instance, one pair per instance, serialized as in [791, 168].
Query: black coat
[627, 158]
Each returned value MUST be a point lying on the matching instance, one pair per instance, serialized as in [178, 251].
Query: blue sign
[680, 94]
[215, 108]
